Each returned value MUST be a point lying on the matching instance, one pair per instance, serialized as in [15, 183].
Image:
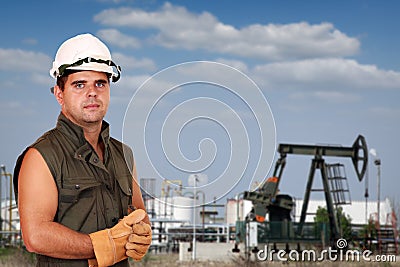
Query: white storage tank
[177, 208]
[232, 208]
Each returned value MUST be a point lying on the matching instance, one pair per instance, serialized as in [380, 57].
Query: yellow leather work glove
[139, 241]
[109, 244]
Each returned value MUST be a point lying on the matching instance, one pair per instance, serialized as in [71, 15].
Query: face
[85, 97]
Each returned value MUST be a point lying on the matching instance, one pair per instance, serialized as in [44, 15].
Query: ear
[59, 94]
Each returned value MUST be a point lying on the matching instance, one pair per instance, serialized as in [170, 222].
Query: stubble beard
[93, 117]
[86, 117]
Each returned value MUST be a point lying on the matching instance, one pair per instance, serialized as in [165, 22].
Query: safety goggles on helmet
[88, 60]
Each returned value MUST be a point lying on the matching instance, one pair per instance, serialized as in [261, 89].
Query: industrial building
[184, 223]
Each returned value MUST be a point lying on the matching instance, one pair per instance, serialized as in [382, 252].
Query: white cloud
[115, 37]
[237, 64]
[326, 96]
[126, 87]
[18, 109]
[128, 62]
[17, 60]
[178, 28]
[43, 79]
[336, 97]
[327, 73]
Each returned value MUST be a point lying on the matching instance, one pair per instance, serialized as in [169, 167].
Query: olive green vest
[92, 195]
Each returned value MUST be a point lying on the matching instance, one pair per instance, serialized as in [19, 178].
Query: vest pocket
[125, 183]
[77, 203]
[76, 188]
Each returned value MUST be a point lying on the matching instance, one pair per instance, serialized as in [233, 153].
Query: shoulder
[43, 152]
[120, 146]
[35, 150]
[30, 167]
[123, 150]
[33, 158]
[46, 140]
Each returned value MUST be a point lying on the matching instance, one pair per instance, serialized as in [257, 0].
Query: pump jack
[265, 198]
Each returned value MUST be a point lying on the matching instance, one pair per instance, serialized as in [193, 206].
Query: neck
[92, 134]
[91, 131]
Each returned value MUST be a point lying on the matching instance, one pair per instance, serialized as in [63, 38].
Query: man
[76, 183]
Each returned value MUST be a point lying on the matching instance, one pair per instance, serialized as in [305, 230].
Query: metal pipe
[237, 205]
[10, 196]
[9, 175]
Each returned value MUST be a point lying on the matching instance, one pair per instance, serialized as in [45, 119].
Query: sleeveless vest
[92, 195]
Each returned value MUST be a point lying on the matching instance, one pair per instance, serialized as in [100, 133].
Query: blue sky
[328, 69]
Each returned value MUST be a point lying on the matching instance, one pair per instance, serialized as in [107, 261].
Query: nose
[91, 92]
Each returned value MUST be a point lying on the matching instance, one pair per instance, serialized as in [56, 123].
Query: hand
[109, 244]
[139, 241]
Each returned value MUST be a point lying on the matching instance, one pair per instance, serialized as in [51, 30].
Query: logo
[329, 254]
[341, 243]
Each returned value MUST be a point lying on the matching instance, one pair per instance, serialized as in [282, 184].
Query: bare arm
[38, 201]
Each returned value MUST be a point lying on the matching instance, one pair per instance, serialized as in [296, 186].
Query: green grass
[16, 257]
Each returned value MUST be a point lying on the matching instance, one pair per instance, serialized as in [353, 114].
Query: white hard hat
[84, 52]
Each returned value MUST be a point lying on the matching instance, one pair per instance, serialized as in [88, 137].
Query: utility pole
[196, 179]
[378, 165]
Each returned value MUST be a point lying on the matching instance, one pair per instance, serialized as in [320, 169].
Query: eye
[79, 85]
[99, 84]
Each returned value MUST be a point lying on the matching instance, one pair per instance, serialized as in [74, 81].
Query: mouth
[91, 106]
